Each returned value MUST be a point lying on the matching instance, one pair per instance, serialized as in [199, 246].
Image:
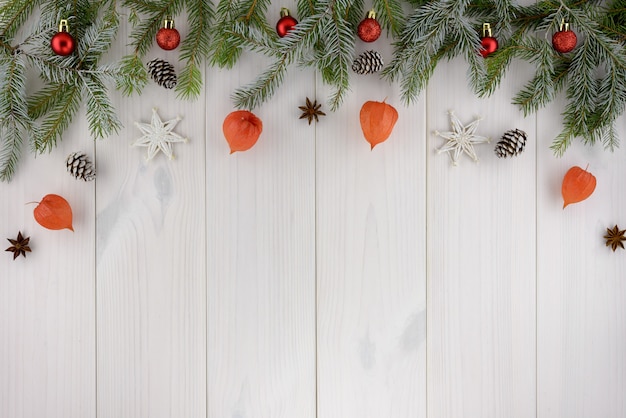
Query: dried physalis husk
[54, 212]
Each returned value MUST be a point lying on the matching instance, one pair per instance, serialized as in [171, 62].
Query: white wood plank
[481, 242]
[581, 293]
[151, 270]
[261, 254]
[47, 301]
[371, 259]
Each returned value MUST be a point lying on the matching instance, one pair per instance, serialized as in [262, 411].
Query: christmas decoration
[54, 212]
[19, 246]
[377, 121]
[368, 62]
[511, 144]
[168, 37]
[369, 29]
[241, 129]
[80, 166]
[488, 43]
[461, 140]
[39, 112]
[62, 43]
[311, 111]
[564, 40]
[218, 33]
[614, 238]
[158, 136]
[578, 185]
[285, 23]
[162, 72]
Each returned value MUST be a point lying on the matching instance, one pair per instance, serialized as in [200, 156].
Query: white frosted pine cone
[368, 62]
[511, 144]
[162, 72]
[80, 166]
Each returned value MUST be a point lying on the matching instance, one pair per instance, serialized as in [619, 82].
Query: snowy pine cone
[511, 144]
[162, 72]
[80, 166]
[367, 63]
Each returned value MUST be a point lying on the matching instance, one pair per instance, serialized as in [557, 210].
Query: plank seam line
[315, 226]
[536, 261]
[426, 243]
[95, 282]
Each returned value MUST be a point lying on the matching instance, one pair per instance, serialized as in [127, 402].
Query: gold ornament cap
[168, 23]
[63, 26]
[486, 30]
[371, 14]
[284, 12]
[563, 26]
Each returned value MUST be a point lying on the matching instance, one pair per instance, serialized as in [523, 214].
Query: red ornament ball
[285, 23]
[564, 41]
[369, 29]
[62, 43]
[489, 45]
[168, 38]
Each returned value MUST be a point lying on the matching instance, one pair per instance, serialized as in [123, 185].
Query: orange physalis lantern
[578, 185]
[377, 121]
[53, 212]
[241, 130]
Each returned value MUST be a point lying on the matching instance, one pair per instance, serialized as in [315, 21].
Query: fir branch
[306, 7]
[548, 81]
[47, 98]
[497, 64]
[13, 14]
[252, 95]
[96, 40]
[562, 142]
[100, 113]
[244, 36]
[469, 42]
[223, 53]
[143, 34]
[426, 33]
[302, 37]
[10, 147]
[134, 75]
[14, 120]
[390, 14]
[57, 119]
[195, 48]
[337, 35]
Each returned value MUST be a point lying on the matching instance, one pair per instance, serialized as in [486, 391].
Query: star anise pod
[20, 245]
[614, 238]
[311, 111]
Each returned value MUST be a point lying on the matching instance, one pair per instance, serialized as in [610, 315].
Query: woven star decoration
[158, 136]
[461, 140]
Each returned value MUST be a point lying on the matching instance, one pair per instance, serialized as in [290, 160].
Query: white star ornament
[461, 140]
[158, 136]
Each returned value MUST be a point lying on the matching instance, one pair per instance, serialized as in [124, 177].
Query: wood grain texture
[481, 217]
[371, 260]
[261, 254]
[47, 301]
[581, 292]
[312, 277]
[151, 271]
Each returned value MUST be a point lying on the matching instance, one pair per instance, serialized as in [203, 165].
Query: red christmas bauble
[369, 29]
[285, 23]
[488, 44]
[564, 41]
[62, 43]
[168, 38]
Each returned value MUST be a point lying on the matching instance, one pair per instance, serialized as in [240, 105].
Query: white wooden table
[312, 277]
